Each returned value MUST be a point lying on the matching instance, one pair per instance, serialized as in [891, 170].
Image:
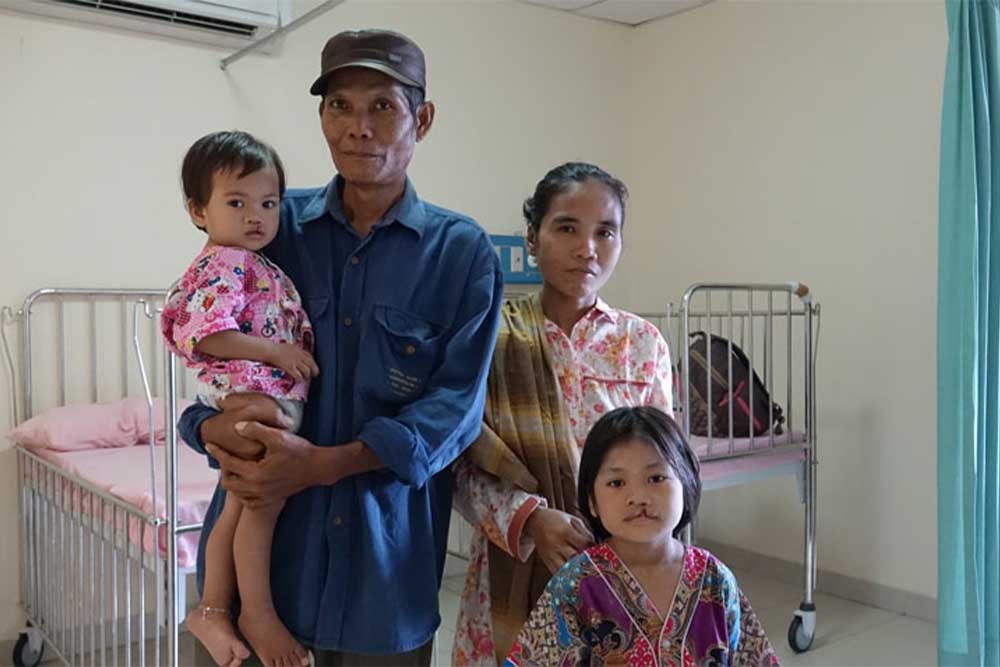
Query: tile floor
[848, 633]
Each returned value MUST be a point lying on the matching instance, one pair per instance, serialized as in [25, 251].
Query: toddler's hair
[230, 150]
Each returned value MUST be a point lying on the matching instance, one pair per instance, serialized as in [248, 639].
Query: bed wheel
[802, 631]
[28, 650]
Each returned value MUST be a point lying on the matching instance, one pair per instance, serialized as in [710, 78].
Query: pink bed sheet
[124, 473]
[720, 468]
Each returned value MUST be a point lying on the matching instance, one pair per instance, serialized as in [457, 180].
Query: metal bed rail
[777, 326]
[89, 587]
[757, 318]
[91, 592]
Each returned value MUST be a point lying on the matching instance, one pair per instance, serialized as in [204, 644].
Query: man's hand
[220, 430]
[289, 465]
[558, 536]
[293, 360]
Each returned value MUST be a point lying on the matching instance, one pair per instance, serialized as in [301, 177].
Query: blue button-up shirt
[405, 322]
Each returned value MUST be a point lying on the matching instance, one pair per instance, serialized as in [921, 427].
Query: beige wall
[808, 129]
[93, 124]
[776, 141]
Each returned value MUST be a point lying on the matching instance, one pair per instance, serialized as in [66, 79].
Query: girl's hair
[662, 433]
[559, 180]
[225, 151]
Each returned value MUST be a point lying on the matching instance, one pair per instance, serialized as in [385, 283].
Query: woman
[563, 358]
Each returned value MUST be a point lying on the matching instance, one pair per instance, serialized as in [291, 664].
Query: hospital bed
[777, 327]
[109, 506]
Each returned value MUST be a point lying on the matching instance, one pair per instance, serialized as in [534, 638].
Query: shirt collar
[408, 211]
[602, 309]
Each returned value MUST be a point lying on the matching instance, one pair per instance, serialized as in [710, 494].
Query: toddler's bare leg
[210, 621]
[259, 623]
[253, 400]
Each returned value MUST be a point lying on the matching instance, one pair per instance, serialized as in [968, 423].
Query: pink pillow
[71, 428]
[78, 427]
[138, 410]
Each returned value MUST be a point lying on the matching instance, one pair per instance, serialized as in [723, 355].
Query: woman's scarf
[527, 440]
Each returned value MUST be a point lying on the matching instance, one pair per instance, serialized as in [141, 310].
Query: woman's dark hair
[559, 180]
[225, 151]
[660, 431]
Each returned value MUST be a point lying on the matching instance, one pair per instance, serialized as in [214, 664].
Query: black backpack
[743, 375]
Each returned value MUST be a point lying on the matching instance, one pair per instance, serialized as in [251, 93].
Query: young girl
[640, 596]
[238, 320]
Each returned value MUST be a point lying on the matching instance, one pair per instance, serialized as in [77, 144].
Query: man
[404, 299]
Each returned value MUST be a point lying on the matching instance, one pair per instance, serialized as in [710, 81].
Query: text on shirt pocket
[399, 355]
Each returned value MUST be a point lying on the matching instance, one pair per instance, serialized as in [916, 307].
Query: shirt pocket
[316, 307]
[614, 383]
[398, 355]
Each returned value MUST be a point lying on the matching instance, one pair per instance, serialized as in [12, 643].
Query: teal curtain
[968, 337]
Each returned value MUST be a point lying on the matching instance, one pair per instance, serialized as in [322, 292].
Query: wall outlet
[518, 266]
[517, 260]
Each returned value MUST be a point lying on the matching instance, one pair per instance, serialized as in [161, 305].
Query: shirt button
[348, 321]
[337, 521]
[410, 349]
[354, 260]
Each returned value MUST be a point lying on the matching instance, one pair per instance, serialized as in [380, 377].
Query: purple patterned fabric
[594, 612]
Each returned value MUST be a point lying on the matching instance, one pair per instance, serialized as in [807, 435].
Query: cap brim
[319, 86]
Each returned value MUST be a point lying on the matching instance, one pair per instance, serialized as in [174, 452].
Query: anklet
[205, 611]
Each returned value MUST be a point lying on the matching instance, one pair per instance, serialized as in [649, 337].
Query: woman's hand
[558, 536]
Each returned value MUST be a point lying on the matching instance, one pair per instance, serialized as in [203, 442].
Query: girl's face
[637, 495]
[578, 242]
[241, 212]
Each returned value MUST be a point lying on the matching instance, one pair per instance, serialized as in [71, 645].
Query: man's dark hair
[414, 97]
[234, 151]
[662, 433]
[559, 180]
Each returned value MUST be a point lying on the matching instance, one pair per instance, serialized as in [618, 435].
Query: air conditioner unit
[229, 24]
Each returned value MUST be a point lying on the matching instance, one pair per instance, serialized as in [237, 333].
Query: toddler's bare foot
[214, 629]
[270, 639]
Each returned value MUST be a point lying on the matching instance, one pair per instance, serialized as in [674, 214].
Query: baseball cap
[391, 53]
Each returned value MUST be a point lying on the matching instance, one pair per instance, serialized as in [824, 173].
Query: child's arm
[236, 345]
[538, 645]
[748, 643]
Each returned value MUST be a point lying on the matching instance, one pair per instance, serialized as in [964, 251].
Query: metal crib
[777, 326]
[91, 593]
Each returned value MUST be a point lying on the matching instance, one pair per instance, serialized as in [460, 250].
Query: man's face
[369, 127]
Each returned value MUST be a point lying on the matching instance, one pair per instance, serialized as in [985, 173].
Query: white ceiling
[631, 12]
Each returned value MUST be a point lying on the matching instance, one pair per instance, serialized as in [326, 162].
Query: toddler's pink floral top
[234, 289]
